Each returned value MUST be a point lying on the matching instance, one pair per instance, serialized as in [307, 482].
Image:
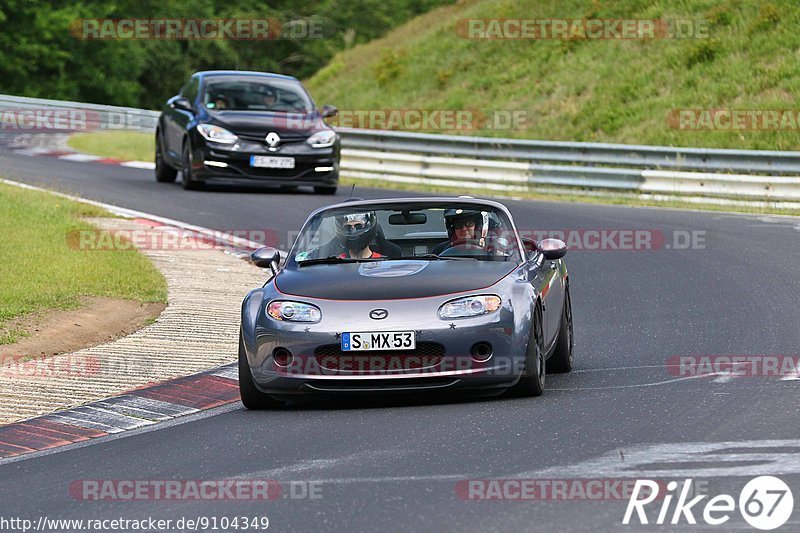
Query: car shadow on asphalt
[248, 187]
[347, 403]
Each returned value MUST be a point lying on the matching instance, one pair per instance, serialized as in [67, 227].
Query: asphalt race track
[394, 465]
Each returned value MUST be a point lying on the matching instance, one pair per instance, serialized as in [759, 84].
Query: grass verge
[742, 55]
[122, 145]
[39, 270]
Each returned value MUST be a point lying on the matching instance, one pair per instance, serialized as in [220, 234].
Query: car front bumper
[443, 360]
[313, 166]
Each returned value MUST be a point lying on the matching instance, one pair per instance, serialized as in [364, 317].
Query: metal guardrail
[623, 155]
[83, 117]
[516, 164]
[519, 165]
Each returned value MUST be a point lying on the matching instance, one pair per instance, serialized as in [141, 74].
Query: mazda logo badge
[378, 314]
[273, 139]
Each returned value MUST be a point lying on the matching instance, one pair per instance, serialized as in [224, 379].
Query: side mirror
[266, 257]
[553, 249]
[530, 245]
[179, 102]
[329, 111]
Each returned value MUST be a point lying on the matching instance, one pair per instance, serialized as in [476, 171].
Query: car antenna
[354, 198]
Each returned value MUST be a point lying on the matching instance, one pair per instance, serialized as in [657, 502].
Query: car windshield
[256, 94]
[424, 231]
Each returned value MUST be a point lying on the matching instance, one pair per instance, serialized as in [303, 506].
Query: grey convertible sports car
[406, 295]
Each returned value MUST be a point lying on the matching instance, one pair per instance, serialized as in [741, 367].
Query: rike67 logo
[765, 503]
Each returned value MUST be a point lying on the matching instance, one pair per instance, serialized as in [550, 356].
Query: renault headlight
[216, 134]
[322, 139]
[294, 311]
[470, 306]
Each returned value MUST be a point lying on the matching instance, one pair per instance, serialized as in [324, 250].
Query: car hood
[388, 280]
[255, 124]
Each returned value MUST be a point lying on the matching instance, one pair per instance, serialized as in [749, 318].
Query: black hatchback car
[255, 126]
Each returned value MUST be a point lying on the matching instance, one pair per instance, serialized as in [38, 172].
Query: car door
[168, 117]
[545, 277]
[177, 120]
[167, 127]
[553, 299]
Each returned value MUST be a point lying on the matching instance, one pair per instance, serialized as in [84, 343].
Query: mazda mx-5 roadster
[406, 295]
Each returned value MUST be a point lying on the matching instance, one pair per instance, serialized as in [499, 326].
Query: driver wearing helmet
[219, 102]
[268, 97]
[355, 232]
[464, 227]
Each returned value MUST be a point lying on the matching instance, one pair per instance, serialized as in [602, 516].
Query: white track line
[34, 151]
[82, 158]
[635, 385]
[147, 165]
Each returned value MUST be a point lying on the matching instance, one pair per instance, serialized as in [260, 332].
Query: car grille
[285, 139]
[301, 170]
[426, 355]
[386, 385]
[277, 172]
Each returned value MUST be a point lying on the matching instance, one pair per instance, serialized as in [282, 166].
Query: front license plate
[268, 161]
[379, 340]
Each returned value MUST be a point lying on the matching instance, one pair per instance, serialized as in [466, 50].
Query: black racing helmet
[218, 97]
[453, 215]
[267, 90]
[259, 91]
[359, 233]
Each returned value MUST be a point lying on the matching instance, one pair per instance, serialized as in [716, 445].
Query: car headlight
[294, 311]
[322, 139]
[216, 134]
[470, 306]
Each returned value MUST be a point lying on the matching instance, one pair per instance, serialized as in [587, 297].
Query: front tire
[531, 383]
[164, 172]
[562, 359]
[188, 182]
[252, 398]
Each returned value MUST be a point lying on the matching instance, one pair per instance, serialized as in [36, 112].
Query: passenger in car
[464, 226]
[355, 232]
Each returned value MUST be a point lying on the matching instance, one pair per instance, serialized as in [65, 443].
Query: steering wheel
[466, 249]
